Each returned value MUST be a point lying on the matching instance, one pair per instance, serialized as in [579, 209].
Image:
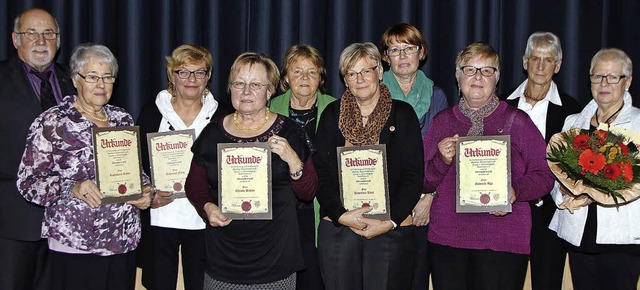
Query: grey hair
[614, 54]
[89, 51]
[354, 52]
[545, 42]
[16, 28]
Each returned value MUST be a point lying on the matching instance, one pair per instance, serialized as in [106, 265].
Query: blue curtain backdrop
[142, 32]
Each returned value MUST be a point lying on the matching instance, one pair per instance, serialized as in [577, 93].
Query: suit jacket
[19, 219]
[555, 114]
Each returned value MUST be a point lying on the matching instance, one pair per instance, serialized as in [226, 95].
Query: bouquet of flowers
[599, 163]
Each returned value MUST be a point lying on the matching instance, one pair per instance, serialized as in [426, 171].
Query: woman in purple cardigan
[482, 250]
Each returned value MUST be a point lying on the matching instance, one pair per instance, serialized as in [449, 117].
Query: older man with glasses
[32, 83]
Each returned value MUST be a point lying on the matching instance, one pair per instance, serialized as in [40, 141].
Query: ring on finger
[85, 194]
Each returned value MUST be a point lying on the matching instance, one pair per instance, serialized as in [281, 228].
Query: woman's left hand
[281, 147]
[144, 201]
[374, 227]
[512, 199]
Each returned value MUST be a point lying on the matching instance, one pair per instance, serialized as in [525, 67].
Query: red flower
[627, 171]
[581, 142]
[612, 171]
[591, 162]
[623, 148]
[601, 135]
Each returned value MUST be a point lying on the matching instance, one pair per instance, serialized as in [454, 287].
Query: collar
[552, 95]
[163, 102]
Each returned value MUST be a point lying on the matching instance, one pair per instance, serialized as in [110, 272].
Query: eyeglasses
[243, 85]
[409, 50]
[185, 74]
[611, 79]
[32, 35]
[486, 71]
[94, 79]
[365, 72]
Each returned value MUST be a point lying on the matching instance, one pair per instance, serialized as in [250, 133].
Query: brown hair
[302, 51]
[402, 32]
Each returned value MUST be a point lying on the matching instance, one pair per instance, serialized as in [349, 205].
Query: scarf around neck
[419, 97]
[350, 119]
[477, 116]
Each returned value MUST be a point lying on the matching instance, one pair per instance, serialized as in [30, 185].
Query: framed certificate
[244, 180]
[170, 159]
[483, 164]
[117, 160]
[363, 179]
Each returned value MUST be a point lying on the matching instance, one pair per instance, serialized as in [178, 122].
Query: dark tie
[47, 99]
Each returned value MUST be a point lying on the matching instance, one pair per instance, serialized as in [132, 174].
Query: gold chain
[237, 124]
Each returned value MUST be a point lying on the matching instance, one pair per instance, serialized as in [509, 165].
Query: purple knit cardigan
[530, 179]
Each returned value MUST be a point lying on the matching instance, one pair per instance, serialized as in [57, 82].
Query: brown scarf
[477, 116]
[350, 120]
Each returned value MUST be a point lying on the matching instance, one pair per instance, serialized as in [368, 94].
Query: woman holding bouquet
[605, 240]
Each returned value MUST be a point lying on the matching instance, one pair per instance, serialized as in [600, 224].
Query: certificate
[244, 180]
[483, 164]
[170, 159]
[117, 160]
[363, 179]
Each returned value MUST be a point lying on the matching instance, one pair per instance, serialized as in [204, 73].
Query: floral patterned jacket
[58, 154]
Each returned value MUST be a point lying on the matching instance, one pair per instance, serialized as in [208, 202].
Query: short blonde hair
[251, 58]
[478, 49]
[187, 54]
[356, 51]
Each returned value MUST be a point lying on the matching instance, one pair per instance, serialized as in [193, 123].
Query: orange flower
[591, 162]
[601, 135]
[612, 171]
[627, 171]
[581, 142]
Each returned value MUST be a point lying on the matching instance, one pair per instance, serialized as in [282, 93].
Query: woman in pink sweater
[482, 250]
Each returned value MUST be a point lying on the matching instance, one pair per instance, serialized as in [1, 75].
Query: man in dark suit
[538, 96]
[31, 83]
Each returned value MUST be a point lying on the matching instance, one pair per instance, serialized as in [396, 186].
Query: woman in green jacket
[302, 80]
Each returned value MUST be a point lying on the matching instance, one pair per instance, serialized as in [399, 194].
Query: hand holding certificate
[363, 179]
[170, 157]
[244, 180]
[117, 159]
[484, 174]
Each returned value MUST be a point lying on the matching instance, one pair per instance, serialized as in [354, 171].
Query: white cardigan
[615, 225]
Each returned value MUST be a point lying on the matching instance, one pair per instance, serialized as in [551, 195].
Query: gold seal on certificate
[244, 180]
[363, 179]
[484, 174]
[117, 160]
[170, 159]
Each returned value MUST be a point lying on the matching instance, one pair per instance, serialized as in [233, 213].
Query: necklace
[527, 95]
[608, 120]
[237, 124]
[91, 116]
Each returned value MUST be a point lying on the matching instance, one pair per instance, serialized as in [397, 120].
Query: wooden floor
[566, 283]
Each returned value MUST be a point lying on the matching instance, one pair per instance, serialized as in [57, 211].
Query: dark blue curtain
[142, 32]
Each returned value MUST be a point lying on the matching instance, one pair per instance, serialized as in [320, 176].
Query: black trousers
[93, 272]
[548, 251]
[309, 278]
[421, 270]
[605, 271]
[162, 245]
[467, 269]
[349, 261]
[23, 264]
